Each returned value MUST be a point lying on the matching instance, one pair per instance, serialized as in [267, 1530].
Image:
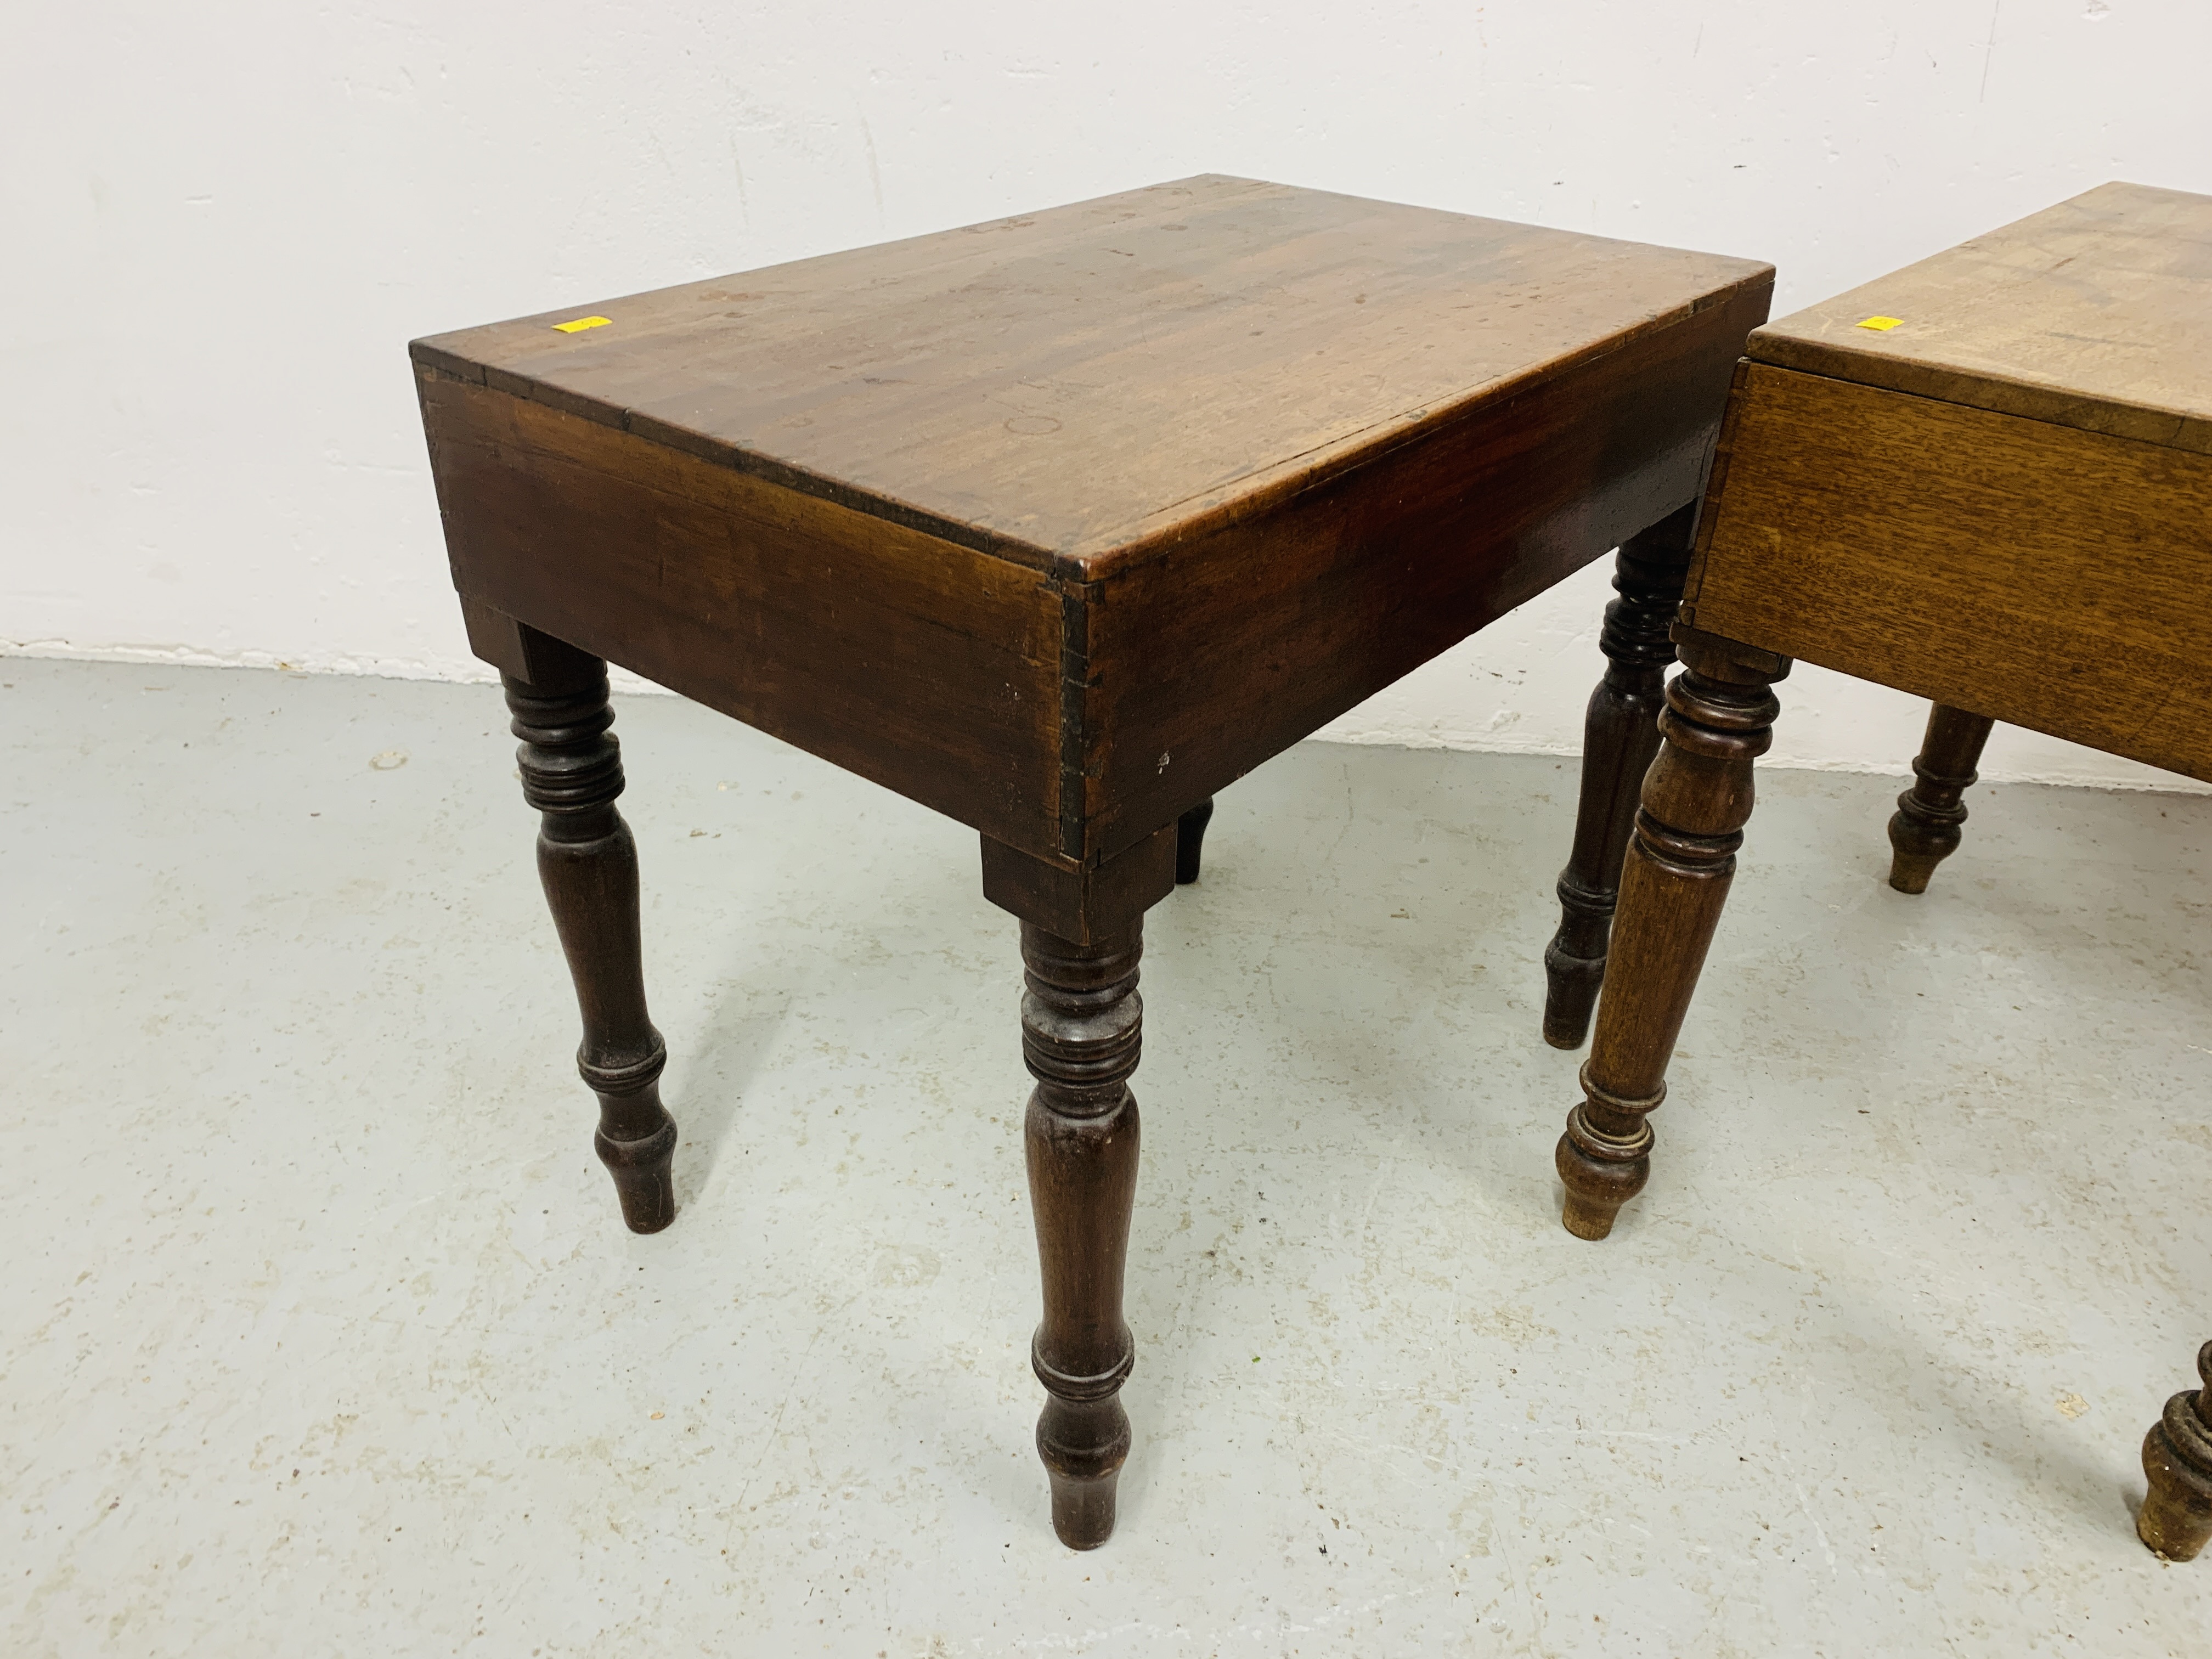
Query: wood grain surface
[1620, 739]
[1201, 664]
[1090, 382]
[2095, 313]
[928, 667]
[2034, 572]
[2002, 502]
[1056, 524]
[570, 764]
[2176, 1518]
[1059, 523]
[1082, 1036]
[1719, 718]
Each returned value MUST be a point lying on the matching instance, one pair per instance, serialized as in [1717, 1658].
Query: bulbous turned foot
[2176, 1519]
[1570, 986]
[1911, 878]
[1596, 1188]
[1602, 1171]
[1083, 1444]
[1916, 849]
[644, 1176]
[1924, 830]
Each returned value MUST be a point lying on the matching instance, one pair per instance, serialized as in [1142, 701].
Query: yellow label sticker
[583, 323]
[1879, 324]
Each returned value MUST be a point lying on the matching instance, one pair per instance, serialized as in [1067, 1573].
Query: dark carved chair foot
[1924, 830]
[1190, 837]
[2176, 1455]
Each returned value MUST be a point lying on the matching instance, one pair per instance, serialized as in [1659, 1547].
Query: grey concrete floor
[321, 1334]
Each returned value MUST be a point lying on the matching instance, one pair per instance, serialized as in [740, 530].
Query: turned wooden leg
[1925, 831]
[1620, 736]
[2176, 1455]
[1697, 797]
[1082, 1021]
[571, 773]
[1081, 1030]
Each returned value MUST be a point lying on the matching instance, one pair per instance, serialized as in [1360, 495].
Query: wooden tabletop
[2095, 314]
[1068, 388]
[1061, 523]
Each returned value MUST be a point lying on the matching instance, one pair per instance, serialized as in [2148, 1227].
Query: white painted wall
[223, 220]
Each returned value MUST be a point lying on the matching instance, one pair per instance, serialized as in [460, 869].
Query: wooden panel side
[2041, 575]
[1211, 657]
[1715, 481]
[931, 668]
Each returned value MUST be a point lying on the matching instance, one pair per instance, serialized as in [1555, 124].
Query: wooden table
[1986, 480]
[1057, 524]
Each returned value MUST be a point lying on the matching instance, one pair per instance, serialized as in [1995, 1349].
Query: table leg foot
[1924, 830]
[1600, 1168]
[2176, 1519]
[572, 772]
[644, 1172]
[1674, 879]
[1190, 838]
[1620, 735]
[1083, 1446]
